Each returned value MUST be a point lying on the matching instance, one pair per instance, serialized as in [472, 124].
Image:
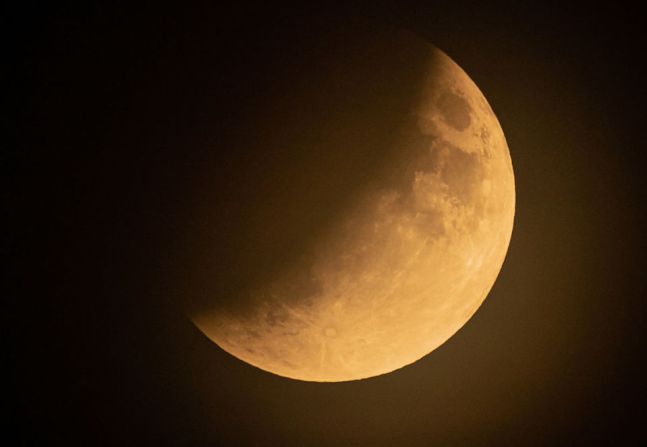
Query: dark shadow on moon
[320, 137]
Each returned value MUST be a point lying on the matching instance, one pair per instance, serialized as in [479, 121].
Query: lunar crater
[455, 110]
[330, 332]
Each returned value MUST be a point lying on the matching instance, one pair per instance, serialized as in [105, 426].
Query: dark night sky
[139, 140]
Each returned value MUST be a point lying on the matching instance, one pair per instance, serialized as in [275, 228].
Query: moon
[406, 264]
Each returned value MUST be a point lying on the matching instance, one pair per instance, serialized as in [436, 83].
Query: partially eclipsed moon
[406, 266]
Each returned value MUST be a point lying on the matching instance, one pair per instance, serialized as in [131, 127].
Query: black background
[124, 117]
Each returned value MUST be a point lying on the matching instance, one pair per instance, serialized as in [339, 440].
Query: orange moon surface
[402, 269]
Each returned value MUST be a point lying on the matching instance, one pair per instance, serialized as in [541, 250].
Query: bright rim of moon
[406, 267]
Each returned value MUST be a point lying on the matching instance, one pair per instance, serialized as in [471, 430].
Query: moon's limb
[404, 269]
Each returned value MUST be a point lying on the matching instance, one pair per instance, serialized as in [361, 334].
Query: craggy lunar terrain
[406, 265]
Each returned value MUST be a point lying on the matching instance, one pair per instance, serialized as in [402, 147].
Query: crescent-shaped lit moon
[405, 267]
